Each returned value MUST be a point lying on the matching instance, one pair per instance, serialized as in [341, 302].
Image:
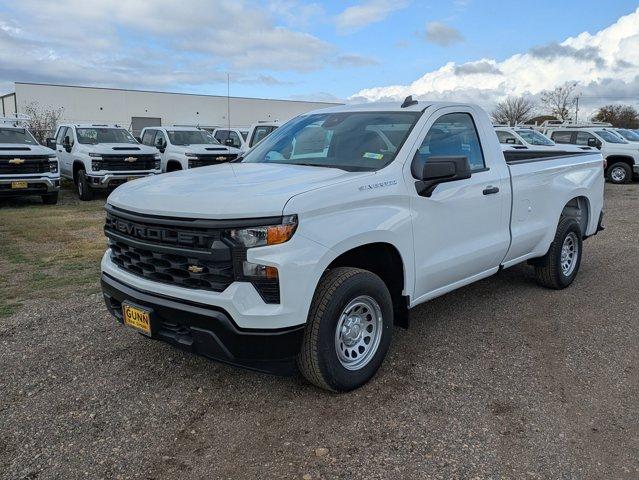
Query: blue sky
[364, 50]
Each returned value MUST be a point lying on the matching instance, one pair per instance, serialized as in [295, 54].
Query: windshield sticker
[387, 183]
[374, 156]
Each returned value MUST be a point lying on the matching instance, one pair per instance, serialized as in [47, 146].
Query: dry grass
[47, 251]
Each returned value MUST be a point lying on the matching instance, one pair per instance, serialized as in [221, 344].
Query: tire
[619, 173]
[553, 271]
[50, 198]
[325, 358]
[85, 192]
[173, 167]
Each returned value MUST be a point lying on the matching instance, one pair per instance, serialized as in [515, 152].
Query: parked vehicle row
[310, 249]
[26, 167]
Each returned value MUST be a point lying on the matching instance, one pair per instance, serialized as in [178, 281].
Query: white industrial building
[136, 109]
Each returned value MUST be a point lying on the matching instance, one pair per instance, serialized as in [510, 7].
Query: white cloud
[441, 34]
[359, 16]
[600, 62]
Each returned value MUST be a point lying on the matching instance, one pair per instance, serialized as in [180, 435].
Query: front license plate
[137, 318]
[17, 185]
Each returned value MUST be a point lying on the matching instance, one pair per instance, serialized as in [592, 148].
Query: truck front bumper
[35, 185]
[208, 331]
[112, 180]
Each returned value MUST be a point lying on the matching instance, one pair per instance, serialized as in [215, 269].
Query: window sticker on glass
[374, 156]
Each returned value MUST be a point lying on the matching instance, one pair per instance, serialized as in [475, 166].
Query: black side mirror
[229, 142]
[139, 139]
[593, 142]
[431, 171]
[51, 143]
[66, 143]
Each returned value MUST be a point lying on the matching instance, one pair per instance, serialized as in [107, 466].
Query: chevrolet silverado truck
[309, 249]
[182, 148]
[26, 167]
[100, 157]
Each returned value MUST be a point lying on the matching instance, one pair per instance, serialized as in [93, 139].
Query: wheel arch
[77, 166]
[579, 209]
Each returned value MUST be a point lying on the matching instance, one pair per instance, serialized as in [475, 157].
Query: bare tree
[621, 116]
[42, 120]
[514, 110]
[559, 102]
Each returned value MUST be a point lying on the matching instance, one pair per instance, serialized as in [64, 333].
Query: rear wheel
[85, 192]
[619, 173]
[50, 198]
[349, 330]
[559, 267]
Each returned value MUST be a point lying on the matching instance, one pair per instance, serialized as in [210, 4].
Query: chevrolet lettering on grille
[158, 234]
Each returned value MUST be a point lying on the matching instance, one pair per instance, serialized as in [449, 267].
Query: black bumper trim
[209, 331]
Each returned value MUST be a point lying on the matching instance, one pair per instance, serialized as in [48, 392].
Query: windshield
[353, 141]
[92, 136]
[16, 135]
[629, 135]
[191, 137]
[610, 137]
[535, 138]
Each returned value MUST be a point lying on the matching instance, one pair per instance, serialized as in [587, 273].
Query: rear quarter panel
[540, 191]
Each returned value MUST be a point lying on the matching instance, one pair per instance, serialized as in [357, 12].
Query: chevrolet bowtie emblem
[16, 161]
[130, 159]
[220, 158]
[195, 269]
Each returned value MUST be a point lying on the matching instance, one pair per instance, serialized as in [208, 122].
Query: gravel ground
[501, 379]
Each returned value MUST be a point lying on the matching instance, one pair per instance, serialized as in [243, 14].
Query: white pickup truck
[182, 148]
[100, 157]
[245, 139]
[26, 167]
[314, 245]
[622, 156]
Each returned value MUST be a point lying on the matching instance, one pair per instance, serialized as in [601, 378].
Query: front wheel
[619, 173]
[558, 268]
[85, 192]
[349, 330]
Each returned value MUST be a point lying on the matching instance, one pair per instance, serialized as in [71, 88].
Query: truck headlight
[96, 165]
[190, 155]
[268, 235]
[158, 162]
[53, 164]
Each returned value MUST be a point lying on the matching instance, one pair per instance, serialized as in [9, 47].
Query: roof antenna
[409, 102]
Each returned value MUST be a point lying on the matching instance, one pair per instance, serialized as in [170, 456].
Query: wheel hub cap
[618, 174]
[569, 252]
[358, 332]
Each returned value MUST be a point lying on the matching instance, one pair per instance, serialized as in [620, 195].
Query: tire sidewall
[566, 227]
[338, 377]
[626, 170]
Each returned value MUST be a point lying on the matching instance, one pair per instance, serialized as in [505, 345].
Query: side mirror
[66, 143]
[593, 142]
[511, 140]
[431, 171]
[50, 142]
[139, 139]
[229, 142]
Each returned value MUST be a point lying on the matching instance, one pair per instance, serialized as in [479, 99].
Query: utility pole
[577, 109]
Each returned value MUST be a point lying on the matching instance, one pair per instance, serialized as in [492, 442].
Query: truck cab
[182, 148]
[232, 137]
[100, 157]
[26, 167]
[622, 156]
[249, 138]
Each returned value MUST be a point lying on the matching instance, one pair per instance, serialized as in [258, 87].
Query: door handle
[490, 190]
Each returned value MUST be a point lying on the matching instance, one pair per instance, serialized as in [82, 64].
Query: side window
[259, 133]
[160, 139]
[60, 136]
[235, 138]
[561, 137]
[69, 133]
[147, 138]
[507, 137]
[454, 134]
[583, 137]
[221, 135]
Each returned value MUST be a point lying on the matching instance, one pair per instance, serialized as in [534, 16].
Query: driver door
[461, 230]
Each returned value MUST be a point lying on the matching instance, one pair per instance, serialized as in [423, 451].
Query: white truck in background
[26, 167]
[311, 248]
[621, 156]
[182, 148]
[245, 139]
[514, 138]
[100, 157]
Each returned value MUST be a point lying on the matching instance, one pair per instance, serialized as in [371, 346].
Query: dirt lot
[501, 379]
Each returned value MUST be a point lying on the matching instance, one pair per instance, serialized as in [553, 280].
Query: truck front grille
[18, 165]
[204, 160]
[127, 162]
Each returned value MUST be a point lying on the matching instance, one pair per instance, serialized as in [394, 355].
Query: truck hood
[120, 149]
[206, 149]
[230, 190]
[22, 149]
